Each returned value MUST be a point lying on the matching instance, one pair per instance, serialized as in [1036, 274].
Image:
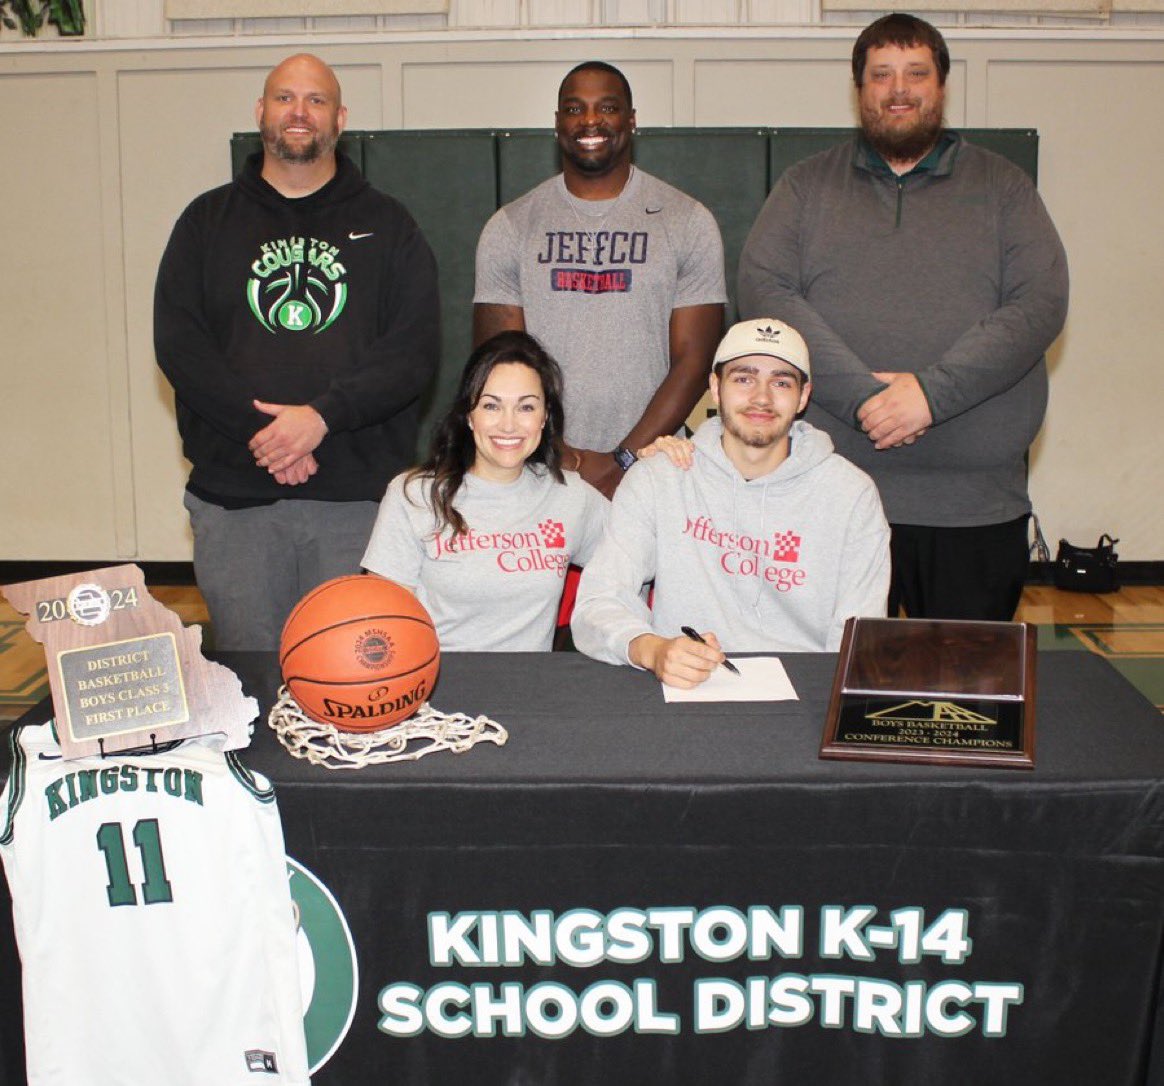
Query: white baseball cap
[766, 336]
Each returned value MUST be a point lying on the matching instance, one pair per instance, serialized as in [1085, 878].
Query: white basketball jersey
[154, 922]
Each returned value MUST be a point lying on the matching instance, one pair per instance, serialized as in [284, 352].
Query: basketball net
[325, 745]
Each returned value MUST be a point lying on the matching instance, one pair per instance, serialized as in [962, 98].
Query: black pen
[689, 632]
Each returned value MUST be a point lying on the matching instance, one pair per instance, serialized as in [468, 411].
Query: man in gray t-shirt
[618, 274]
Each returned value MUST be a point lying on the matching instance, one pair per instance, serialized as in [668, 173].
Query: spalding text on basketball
[381, 703]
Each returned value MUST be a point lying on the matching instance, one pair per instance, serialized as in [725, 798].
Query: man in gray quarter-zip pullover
[928, 280]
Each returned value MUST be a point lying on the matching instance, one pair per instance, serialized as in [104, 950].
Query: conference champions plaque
[934, 690]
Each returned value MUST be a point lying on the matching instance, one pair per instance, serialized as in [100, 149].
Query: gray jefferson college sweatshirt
[775, 563]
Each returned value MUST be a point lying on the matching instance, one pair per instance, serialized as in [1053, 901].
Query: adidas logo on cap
[766, 336]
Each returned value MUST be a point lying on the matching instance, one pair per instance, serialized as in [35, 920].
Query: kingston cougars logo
[297, 285]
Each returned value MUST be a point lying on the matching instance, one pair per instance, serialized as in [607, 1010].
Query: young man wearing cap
[769, 542]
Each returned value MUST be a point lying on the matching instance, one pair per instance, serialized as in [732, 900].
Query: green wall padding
[447, 180]
[452, 180]
[787, 146]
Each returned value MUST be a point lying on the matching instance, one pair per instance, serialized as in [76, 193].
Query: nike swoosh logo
[356, 237]
[653, 210]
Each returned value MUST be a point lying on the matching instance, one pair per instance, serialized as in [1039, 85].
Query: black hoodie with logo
[329, 300]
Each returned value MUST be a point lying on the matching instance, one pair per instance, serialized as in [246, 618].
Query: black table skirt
[605, 798]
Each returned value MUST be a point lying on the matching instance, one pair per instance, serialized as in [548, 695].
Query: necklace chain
[596, 221]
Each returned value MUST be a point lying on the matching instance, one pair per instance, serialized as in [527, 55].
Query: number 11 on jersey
[155, 888]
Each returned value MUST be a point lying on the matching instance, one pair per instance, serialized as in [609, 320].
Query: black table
[606, 804]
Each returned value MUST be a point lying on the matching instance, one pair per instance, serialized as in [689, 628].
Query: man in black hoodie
[296, 315]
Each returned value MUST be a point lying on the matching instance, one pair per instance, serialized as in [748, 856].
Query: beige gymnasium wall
[105, 142]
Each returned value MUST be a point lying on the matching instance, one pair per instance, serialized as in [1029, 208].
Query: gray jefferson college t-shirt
[598, 280]
[496, 587]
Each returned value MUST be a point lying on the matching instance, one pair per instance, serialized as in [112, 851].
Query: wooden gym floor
[1125, 627]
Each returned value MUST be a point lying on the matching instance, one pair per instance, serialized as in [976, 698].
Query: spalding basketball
[359, 652]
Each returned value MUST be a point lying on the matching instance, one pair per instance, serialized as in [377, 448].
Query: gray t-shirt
[598, 280]
[496, 587]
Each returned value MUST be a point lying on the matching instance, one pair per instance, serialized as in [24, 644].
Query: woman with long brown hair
[484, 530]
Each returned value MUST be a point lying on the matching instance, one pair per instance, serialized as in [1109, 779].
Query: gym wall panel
[544, 12]
[107, 144]
[786, 92]
[1101, 453]
[509, 93]
[267, 9]
[480, 95]
[773, 90]
[160, 175]
[57, 488]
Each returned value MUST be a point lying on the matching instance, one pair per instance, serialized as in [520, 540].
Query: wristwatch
[623, 457]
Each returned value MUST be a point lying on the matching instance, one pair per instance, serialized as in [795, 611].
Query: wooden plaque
[125, 673]
[934, 690]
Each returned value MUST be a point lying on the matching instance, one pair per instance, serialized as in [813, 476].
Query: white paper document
[761, 678]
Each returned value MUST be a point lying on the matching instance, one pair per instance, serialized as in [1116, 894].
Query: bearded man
[929, 281]
[296, 315]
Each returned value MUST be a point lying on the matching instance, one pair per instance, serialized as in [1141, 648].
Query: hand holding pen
[725, 662]
[682, 661]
